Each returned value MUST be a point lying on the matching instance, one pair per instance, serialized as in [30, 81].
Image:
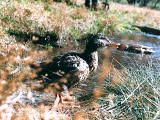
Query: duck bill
[113, 45]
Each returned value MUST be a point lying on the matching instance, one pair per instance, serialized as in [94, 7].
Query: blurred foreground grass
[124, 94]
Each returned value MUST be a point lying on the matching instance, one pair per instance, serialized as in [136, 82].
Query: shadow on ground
[47, 38]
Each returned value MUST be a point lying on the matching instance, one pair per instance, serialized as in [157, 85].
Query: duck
[134, 48]
[67, 70]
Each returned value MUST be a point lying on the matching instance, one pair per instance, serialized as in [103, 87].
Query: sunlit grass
[136, 15]
[39, 17]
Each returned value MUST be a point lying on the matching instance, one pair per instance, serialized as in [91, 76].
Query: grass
[27, 25]
[39, 17]
[138, 97]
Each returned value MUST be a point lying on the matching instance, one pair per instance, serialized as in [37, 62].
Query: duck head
[96, 41]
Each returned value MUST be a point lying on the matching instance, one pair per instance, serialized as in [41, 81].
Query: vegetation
[26, 19]
[137, 97]
[33, 31]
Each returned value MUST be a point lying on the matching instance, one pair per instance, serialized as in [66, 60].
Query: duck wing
[67, 63]
[70, 63]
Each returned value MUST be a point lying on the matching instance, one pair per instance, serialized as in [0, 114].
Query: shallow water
[128, 59]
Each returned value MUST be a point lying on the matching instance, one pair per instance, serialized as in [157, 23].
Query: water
[128, 59]
[34, 97]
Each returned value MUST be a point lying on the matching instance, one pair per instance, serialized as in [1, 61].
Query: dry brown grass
[40, 17]
[59, 18]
